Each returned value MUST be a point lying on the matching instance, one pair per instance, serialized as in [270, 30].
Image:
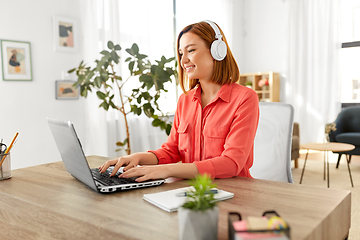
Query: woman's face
[196, 59]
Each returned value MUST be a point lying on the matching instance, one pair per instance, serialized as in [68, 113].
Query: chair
[347, 130]
[295, 145]
[272, 144]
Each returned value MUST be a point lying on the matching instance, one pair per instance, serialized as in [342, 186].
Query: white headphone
[218, 47]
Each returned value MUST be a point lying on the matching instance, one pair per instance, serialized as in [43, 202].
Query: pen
[9, 148]
[184, 194]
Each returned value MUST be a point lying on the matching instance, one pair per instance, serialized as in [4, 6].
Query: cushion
[352, 138]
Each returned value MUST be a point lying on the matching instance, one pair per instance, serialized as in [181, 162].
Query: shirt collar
[224, 93]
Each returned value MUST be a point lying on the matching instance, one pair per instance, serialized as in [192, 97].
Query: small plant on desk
[198, 217]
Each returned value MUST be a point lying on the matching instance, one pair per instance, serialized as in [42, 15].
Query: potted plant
[198, 217]
[107, 83]
[248, 84]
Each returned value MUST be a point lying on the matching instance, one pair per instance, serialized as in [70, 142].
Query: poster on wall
[16, 61]
[65, 34]
[65, 90]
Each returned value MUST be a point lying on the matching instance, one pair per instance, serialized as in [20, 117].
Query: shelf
[272, 94]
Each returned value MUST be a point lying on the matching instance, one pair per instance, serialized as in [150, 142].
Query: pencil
[9, 148]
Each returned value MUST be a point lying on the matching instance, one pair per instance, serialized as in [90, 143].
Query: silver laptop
[76, 164]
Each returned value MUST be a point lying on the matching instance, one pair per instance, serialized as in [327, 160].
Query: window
[350, 52]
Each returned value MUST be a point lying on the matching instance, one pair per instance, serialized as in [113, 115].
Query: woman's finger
[118, 165]
[107, 164]
[129, 166]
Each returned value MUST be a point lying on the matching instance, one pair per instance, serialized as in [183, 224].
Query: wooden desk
[45, 202]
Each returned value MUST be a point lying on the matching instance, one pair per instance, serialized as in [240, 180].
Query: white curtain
[147, 23]
[313, 82]
[97, 28]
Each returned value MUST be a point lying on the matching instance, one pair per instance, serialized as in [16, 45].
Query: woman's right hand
[127, 162]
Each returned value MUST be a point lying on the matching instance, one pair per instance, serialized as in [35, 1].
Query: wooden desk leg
[302, 173]
[327, 162]
[347, 161]
[324, 165]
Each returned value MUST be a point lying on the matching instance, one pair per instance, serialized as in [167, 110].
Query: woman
[215, 120]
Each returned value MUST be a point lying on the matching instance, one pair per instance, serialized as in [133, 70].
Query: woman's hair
[225, 71]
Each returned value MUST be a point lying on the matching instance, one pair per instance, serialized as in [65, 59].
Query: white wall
[26, 104]
[265, 37]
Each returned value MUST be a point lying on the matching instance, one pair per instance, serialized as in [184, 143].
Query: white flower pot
[198, 225]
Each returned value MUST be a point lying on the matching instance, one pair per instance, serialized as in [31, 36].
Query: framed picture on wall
[65, 31]
[16, 61]
[64, 90]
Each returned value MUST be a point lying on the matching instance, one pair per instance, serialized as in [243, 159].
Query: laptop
[76, 164]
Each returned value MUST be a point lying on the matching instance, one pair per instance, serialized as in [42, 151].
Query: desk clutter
[268, 227]
[5, 164]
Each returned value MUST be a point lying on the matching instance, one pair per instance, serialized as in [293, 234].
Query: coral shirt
[219, 139]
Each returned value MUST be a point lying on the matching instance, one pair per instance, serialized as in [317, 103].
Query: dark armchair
[347, 130]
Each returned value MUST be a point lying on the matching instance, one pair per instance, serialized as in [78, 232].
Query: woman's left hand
[147, 172]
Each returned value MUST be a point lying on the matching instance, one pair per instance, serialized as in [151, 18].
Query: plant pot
[198, 225]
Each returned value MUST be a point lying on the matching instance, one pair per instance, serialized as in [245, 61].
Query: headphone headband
[215, 28]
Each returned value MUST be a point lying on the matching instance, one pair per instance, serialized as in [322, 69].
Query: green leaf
[112, 104]
[105, 105]
[201, 199]
[128, 59]
[104, 76]
[115, 57]
[131, 66]
[139, 99]
[168, 129]
[117, 47]
[121, 144]
[156, 122]
[145, 78]
[148, 109]
[101, 95]
[71, 70]
[97, 82]
[104, 52]
[141, 56]
[110, 45]
[130, 51]
[135, 48]
[138, 111]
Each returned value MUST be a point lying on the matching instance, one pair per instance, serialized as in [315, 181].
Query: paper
[168, 200]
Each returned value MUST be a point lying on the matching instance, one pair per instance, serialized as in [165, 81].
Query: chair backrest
[348, 119]
[272, 146]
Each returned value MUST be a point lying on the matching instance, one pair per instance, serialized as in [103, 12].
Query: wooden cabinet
[265, 84]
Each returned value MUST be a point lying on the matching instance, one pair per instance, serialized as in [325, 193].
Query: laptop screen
[71, 151]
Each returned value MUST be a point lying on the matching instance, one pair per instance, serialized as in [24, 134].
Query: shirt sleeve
[169, 153]
[237, 157]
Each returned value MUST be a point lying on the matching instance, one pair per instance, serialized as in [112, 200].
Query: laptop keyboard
[105, 178]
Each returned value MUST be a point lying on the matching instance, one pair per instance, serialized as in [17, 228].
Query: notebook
[76, 164]
[170, 200]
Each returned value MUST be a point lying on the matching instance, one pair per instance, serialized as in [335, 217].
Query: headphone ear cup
[218, 50]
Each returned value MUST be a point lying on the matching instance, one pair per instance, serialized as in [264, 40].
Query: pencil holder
[5, 168]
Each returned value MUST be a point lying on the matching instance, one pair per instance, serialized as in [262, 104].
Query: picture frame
[16, 60]
[65, 34]
[64, 90]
